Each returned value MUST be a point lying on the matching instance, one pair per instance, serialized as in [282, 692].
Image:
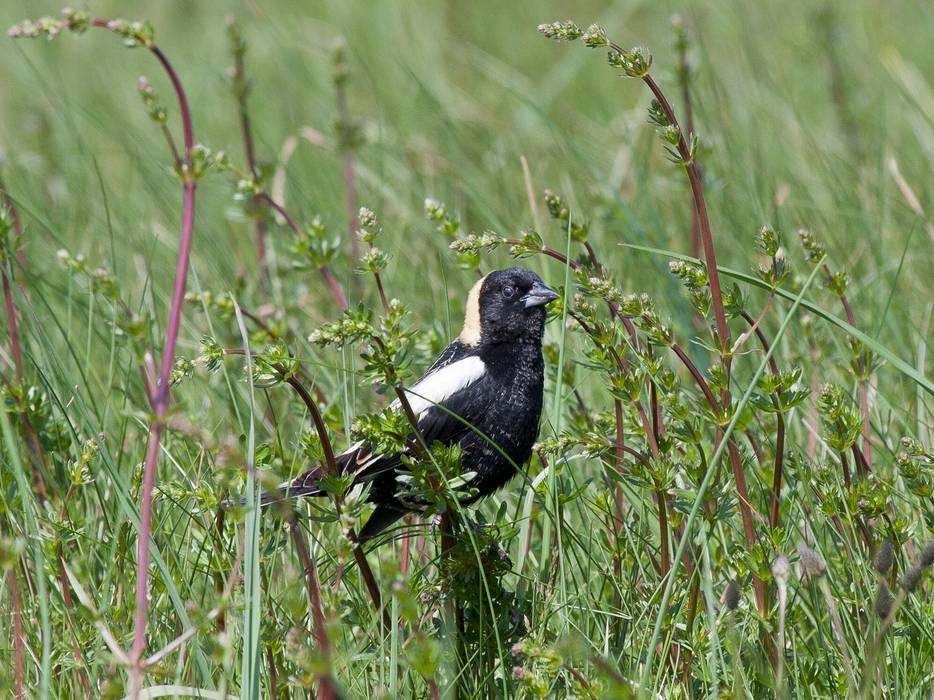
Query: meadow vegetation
[230, 236]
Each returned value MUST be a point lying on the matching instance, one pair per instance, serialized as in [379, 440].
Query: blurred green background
[798, 102]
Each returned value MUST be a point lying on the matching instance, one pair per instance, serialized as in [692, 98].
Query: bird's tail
[305, 484]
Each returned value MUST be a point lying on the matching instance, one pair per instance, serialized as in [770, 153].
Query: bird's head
[506, 306]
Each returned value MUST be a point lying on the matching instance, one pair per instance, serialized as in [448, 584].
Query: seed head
[812, 562]
[883, 558]
[927, 555]
[731, 596]
[595, 36]
[912, 577]
[635, 62]
[883, 603]
[366, 217]
[567, 30]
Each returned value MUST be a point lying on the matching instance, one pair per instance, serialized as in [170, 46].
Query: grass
[602, 571]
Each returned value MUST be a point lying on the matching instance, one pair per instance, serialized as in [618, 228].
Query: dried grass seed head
[883, 559]
[883, 603]
[927, 555]
[812, 562]
[730, 597]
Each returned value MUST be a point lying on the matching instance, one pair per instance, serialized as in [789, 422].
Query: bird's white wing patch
[441, 384]
[433, 389]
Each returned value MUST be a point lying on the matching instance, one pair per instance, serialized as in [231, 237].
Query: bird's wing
[445, 406]
[433, 400]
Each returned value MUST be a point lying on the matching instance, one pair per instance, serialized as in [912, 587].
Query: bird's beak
[539, 295]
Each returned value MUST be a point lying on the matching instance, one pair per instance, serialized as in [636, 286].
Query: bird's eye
[509, 292]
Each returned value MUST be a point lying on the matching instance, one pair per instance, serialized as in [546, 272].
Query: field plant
[732, 494]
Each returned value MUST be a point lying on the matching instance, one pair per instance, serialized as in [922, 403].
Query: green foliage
[839, 417]
[506, 611]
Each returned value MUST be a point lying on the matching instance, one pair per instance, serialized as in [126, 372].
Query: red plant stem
[250, 153]
[754, 445]
[326, 689]
[865, 534]
[316, 418]
[70, 616]
[379, 284]
[745, 507]
[779, 428]
[350, 178]
[37, 461]
[12, 326]
[620, 445]
[18, 640]
[657, 421]
[170, 142]
[638, 456]
[777, 475]
[218, 532]
[698, 378]
[161, 398]
[550, 252]
[6, 199]
[142, 578]
[859, 460]
[661, 500]
[697, 188]
[838, 525]
[359, 556]
[160, 404]
[273, 673]
[581, 406]
[336, 290]
[382, 293]
[683, 79]
[863, 388]
[591, 253]
[846, 470]
[419, 443]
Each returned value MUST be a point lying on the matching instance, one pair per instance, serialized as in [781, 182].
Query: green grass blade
[708, 478]
[252, 582]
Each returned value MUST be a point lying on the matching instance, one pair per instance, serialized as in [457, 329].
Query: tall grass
[730, 435]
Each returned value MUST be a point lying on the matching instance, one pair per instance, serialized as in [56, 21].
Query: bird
[483, 394]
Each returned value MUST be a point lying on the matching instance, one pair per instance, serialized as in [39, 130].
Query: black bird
[491, 377]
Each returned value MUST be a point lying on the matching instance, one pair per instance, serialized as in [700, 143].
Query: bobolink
[483, 393]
